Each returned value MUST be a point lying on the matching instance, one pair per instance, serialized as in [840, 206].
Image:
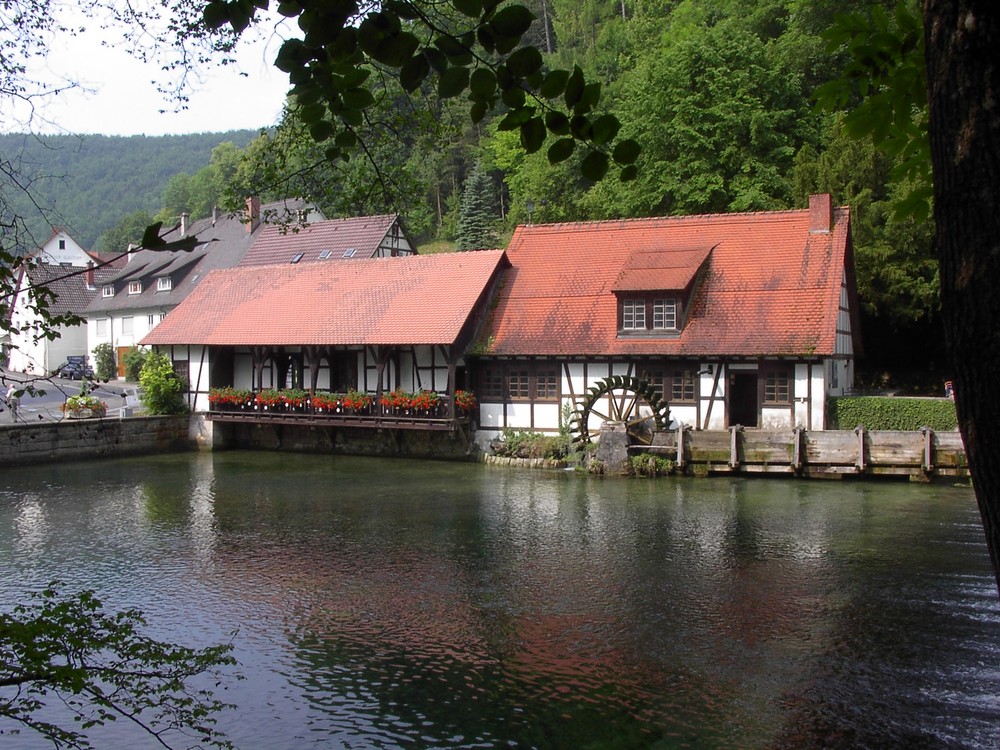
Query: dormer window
[135, 287]
[638, 315]
[324, 254]
[108, 290]
[163, 284]
[349, 252]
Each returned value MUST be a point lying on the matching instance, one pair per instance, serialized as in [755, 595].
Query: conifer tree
[478, 215]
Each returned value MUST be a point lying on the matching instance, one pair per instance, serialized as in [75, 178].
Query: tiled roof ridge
[617, 223]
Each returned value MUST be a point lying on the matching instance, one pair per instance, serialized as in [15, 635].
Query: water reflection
[394, 604]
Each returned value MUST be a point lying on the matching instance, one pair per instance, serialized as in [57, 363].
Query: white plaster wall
[519, 416]
[198, 375]
[491, 415]
[774, 418]
[817, 419]
[687, 414]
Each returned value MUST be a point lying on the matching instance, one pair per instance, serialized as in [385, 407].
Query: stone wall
[73, 439]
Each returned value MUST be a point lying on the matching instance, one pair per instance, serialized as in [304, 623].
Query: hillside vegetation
[87, 183]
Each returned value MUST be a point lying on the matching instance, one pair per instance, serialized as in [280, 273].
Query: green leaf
[483, 83]
[470, 8]
[574, 87]
[604, 129]
[413, 73]
[358, 98]
[478, 111]
[626, 152]
[561, 150]
[557, 123]
[533, 134]
[346, 139]
[216, 14]
[453, 82]
[524, 62]
[320, 131]
[514, 97]
[594, 166]
[629, 173]
[554, 84]
[589, 98]
[312, 113]
[512, 21]
[516, 118]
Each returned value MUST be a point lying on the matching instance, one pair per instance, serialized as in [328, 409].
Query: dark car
[75, 371]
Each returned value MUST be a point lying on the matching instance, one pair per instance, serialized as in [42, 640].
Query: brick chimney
[253, 213]
[89, 275]
[820, 213]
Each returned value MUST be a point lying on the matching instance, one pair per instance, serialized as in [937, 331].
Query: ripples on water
[392, 604]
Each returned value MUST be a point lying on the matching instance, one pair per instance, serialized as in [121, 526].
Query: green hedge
[891, 413]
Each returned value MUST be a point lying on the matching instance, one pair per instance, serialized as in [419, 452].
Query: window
[62, 244]
[778, 386]
[127, 325]
[297, 257]
[107, 291]
[665, 314]
[547, 385]
[682, 385]
[519, 385]
[349, 252]
[492, 385]
[101, 327]
[135, 287]
[634, 314]
[324, 254]
[149, 321]
[162, 316]
[164, 284]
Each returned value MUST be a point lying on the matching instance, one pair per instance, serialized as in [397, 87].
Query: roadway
[45, 403]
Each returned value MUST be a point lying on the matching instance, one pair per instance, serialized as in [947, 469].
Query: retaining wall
[71, 439]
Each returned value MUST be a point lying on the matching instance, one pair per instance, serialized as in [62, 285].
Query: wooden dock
[920, 455]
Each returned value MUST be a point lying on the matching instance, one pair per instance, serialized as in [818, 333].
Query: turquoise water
[395, 604]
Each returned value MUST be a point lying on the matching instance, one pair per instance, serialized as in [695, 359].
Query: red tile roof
[362, 235]
[381, 301]
[770, 285]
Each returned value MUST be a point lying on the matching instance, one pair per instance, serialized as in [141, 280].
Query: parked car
[75, 371]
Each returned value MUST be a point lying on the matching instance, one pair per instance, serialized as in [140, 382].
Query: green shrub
[650, 465]
[526, 444]
[161, 388]
[134, 359]
[104, 362]
[891, 413]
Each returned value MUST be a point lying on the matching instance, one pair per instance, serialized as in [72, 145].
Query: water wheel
[624, 400]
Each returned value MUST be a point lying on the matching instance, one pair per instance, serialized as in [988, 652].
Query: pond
[382, 603]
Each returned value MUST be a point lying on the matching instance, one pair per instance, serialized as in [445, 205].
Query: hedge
[891, 413]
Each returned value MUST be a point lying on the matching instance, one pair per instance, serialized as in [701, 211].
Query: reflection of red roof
[382, 301]
[770, 286]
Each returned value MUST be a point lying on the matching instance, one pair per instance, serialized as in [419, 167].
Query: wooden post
[680, 446]
[797, 449]
[734, 457]
[859, 464]
[928, 434]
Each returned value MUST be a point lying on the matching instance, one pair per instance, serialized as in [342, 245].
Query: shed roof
[407, 300]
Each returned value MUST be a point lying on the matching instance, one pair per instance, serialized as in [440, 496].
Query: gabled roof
[400, 301]
[225, 239]
[333, 239]
[770, 285]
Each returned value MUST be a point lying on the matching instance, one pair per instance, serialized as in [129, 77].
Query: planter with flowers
[326, 403]
[465, 401]
[268, 400]
[295, 399]
[357, 402]
[84, 407]
[230, 399]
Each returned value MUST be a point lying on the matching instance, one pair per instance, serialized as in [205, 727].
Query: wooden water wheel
[623, 400]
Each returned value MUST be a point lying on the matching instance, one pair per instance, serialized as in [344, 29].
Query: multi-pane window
[665, 314]
[163, 284]
[546, 385]
[135, 287]
[519, 385]
[633, 314]
[778, 386]
[682, 385]
[492, 385]
[149, 321]
[107, 291]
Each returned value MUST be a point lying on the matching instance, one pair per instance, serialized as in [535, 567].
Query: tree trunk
[963, 85]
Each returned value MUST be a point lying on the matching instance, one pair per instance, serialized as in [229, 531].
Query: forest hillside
[86, 184]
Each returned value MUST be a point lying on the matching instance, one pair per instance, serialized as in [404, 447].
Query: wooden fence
[922, 454]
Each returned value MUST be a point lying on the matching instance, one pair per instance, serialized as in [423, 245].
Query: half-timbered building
[736, 319]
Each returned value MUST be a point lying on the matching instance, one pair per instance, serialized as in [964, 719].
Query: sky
[121, 100]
